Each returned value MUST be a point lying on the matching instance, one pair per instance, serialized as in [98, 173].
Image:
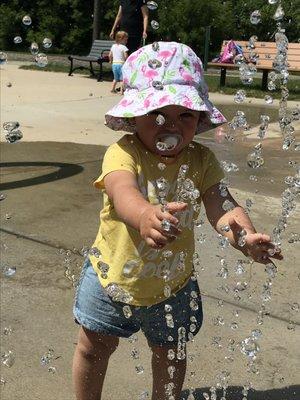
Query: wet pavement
[51, 207]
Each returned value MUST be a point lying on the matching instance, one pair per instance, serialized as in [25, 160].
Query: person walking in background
[117, 56]
[132, 17]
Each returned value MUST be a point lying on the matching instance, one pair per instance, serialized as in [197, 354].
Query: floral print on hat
[158, 75]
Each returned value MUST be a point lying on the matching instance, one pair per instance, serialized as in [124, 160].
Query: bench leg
[71, 66]
[92, 69]
[223, 76]
[100, 72]
[264, 82]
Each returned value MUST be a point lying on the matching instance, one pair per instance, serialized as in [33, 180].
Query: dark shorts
[133, 43]
[97, 312]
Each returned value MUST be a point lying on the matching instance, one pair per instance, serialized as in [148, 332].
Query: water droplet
[271, 85]
[255, 17]
[9, 271]
[255, 160]
[228, 205]
[152, 5]
[130, 268]
[161, 166]
[3, 58]
[154, 63]
[139, 369]
[171, 354]
[127, 311]
[7, 331]
[41, 60]
[218, 321]
[249, 347]
[34, 48]
[160, 120]
[167, 291]
[133, 338]
[155, 46]
[118, 294]
[269, 99]
[47, 357]
[291, 326]
[26, 20]
[47, 43]
[154, 25]
[144, 395]
[17, 39]
[234, 326]
[271, 270]
[103, 268]
[8, 358]
[157, 85]
[240, 96]
[256, 334]
[279, 13]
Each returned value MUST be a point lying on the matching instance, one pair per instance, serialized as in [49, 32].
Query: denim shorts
[97, 312]
[117, 71]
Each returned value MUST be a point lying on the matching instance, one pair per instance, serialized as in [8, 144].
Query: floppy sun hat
[159, 75]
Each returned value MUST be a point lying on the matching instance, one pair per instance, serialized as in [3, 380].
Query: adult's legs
[133, 43]
[90, 363]
[162, 374]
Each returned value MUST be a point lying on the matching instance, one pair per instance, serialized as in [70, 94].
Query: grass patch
[254, 90]
[232, 83]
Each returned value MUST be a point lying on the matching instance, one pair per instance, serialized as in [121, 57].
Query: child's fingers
[166, 215]
[174, 207]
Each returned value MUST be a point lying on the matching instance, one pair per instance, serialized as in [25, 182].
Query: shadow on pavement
[64, 170]
[235, 393]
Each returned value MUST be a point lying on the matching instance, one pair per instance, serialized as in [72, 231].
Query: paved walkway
[51, 207]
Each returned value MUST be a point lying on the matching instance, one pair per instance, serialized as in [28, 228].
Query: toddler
[139, 274]
[117, 56]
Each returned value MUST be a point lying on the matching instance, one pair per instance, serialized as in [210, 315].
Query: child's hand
[258, 246]
[153, 224]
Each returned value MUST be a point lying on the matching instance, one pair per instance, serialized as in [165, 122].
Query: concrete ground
[51, 207]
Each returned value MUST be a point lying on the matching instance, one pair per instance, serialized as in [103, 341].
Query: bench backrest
[100, 46]
[267, 51]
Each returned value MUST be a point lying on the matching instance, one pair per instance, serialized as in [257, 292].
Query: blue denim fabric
[96, 311]
[117, 71]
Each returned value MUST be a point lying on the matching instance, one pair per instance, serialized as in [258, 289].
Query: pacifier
[168, 142]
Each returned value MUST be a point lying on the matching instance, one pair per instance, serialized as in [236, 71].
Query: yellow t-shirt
[132, 265]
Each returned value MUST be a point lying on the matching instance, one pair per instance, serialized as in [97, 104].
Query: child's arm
[256, 244]
[130, 205]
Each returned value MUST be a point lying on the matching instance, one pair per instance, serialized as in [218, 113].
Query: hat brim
[137, 103]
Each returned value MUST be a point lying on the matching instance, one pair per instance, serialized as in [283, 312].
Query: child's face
[124, 40]
[179, 121]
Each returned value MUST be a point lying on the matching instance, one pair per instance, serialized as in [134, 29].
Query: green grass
[253, 90]
[232, 83]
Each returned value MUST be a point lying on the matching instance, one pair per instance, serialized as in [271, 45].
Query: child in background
[140, 272]
[117, 56]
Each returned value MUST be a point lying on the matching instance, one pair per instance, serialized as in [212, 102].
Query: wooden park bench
[98, 54]
[267, 52]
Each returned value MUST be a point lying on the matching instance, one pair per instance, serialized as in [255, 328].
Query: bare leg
[90, 362]
[122, 88]
[113, 90]
[161, 376]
